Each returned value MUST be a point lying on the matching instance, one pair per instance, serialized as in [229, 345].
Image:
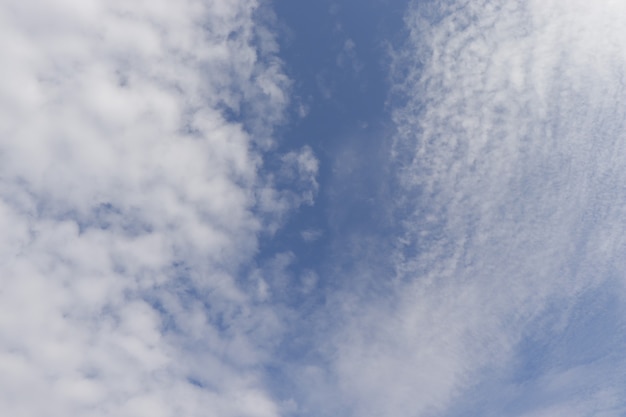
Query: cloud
[302, 167]
[348, 57]
[130, 193]
[311, 235]
[509, 148]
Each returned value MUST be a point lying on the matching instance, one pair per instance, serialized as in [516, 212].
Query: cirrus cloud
[510, 157]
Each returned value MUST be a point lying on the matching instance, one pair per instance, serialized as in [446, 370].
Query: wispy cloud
[130, 197]
[511, 153]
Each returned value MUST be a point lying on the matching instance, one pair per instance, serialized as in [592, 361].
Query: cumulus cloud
[130, 197]
[510, 153]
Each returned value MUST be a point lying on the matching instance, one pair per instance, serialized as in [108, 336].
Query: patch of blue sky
[336, 54]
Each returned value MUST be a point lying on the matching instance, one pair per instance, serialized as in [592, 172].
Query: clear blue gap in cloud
[336, 53]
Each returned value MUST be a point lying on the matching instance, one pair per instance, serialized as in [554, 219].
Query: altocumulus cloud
[131, 195]
[511, 157]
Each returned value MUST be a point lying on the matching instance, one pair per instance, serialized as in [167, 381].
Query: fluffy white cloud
[130, 193]
[512, 159]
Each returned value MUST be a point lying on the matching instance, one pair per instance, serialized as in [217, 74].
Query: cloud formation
[131, 195]
[511, 153]
[138, 171]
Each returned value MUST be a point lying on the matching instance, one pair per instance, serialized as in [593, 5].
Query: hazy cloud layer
[130, 197]
[512, 162]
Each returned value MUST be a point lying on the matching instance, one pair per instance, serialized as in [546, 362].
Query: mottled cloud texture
[134, 195]
[131, 195]
[511, 149]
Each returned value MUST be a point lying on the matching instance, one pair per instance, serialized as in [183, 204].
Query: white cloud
[302, 167]
[511, 153]
[128, 192]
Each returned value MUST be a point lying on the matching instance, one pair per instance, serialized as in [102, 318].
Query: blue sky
[285, 208]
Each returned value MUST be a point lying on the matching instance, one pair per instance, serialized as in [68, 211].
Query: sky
[255, 208]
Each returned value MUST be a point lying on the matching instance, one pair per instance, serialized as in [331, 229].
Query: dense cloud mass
[511, 152]
[130, 196]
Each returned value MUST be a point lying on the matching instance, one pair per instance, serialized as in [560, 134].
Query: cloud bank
[131, 196]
